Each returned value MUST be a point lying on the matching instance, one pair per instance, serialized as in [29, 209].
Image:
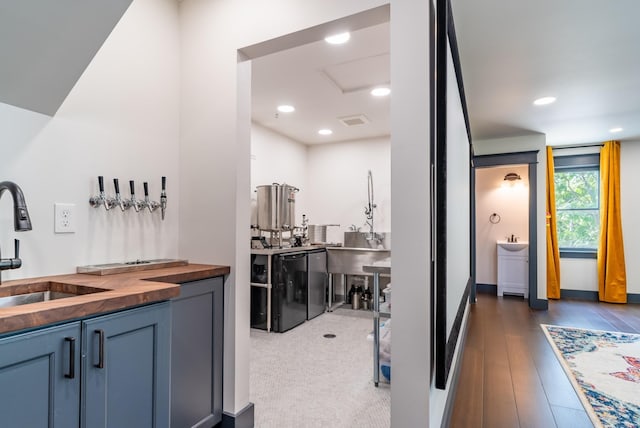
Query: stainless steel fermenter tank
[276, 207]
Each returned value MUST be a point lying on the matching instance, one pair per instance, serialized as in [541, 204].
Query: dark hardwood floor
[510, 376]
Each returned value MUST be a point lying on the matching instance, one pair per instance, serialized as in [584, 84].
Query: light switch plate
[64, 218]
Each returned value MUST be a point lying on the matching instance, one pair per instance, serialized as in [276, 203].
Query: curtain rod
[577, 146]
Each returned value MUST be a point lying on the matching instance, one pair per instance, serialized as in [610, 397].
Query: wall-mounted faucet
[21, 222]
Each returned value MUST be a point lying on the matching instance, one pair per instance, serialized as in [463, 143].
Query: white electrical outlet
[65, 218]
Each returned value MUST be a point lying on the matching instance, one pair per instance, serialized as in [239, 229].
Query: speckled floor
[299, 379]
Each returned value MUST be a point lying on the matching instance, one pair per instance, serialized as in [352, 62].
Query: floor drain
[329, 336]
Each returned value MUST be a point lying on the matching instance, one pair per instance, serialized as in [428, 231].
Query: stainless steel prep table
[382, 267]
[350, 261]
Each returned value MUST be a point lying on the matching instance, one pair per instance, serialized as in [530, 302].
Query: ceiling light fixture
[616, 130]
[512, 176]
[338, 39]
[286, 108]
[544, 101]
[381, 91]
[325, 132]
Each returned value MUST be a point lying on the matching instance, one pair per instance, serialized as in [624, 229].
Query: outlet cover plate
[64, 218]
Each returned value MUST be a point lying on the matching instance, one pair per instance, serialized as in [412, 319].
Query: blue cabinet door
[40, 378]
[196, 354]
[125, 381]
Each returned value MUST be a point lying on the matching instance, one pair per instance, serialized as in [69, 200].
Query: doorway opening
[498, 209]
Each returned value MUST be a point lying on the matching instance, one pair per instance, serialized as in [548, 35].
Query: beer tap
[118, 199]
[151, 205]
[133, 202]
[101, 199]
[163, 196]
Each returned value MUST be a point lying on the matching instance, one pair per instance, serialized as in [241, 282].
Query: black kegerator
[289, 291]
[298, 289]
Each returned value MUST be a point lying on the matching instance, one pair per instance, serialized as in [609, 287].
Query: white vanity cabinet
[513, 268]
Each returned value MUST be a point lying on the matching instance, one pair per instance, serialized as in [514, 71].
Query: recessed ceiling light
[616, 130]
[338, 39]
[544, 101]
[286, 108]
[380, 91]
[325, 132]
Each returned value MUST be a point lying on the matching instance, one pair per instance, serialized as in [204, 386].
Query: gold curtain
[612, 278]
[553, 252]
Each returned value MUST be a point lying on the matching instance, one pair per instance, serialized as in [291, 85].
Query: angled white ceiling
[584, 52]
[45, 47]
[325, 83]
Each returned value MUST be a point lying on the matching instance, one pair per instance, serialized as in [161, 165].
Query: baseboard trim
[487, 288]
[593, 295]
[579, 294]
[633, 298]
[448, 408]
[539, 304]
[243, 419]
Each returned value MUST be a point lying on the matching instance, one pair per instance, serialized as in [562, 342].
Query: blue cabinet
[40, 378]
[196, 354]
[125, 377]
[107, 371]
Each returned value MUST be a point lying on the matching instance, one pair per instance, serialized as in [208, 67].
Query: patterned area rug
[604, 368]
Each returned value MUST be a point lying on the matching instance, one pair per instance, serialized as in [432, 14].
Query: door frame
[529, 158]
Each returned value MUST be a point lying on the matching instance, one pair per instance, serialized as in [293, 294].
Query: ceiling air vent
[359, 119]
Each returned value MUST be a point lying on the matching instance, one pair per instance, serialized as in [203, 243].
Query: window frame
[576, 163]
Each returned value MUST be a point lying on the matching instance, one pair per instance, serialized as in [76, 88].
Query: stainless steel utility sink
[24, 294]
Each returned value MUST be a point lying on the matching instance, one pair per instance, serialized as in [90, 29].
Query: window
[577, 186]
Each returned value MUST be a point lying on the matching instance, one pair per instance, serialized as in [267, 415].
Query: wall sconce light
[512, 176]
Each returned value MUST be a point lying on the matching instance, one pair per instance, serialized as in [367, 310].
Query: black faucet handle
[16, 246]
[164, 183]
[116, 184]
[101, 183]
[146, 188]
[132, 187]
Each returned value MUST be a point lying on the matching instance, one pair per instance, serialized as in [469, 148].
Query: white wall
[120, 120]
[629, 179]
[511, 203]
[215, 145]
[337, 182]
[278, 159]
[523, 144]
[332, 178]
[410, 203]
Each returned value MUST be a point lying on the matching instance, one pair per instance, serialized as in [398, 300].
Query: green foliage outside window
[578, 208]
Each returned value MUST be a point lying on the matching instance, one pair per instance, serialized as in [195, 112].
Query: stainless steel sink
[25, 294]
[349, 261]
[379, 240]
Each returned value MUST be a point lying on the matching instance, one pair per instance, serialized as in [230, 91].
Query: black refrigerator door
[289, 299]
[318, 282]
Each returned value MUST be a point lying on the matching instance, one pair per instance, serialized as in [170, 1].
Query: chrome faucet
[21, 222]
[368, 210]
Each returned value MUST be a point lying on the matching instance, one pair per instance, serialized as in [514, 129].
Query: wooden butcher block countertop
[122, 291]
